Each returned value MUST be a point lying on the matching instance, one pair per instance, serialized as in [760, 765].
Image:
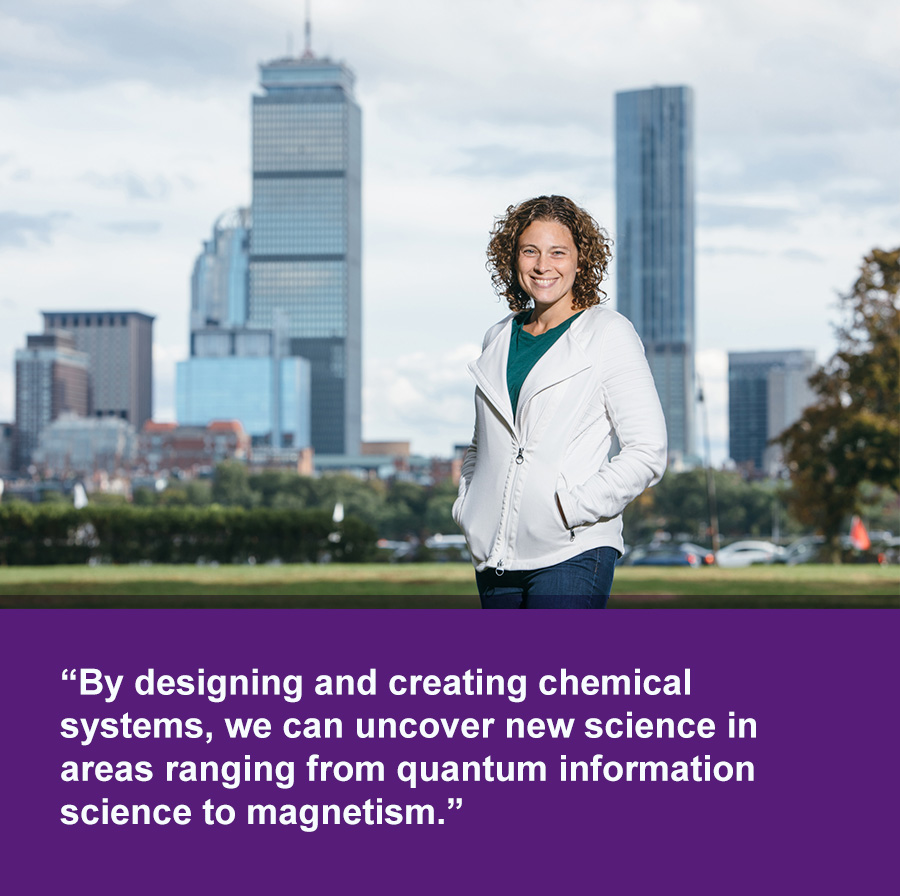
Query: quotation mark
[70, 675]
[454, 803]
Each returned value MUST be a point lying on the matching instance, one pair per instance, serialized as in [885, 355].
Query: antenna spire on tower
[307, 28]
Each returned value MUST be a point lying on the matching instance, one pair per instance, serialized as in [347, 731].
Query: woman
[540, 502]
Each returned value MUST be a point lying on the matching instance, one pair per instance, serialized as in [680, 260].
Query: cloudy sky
[125, 133]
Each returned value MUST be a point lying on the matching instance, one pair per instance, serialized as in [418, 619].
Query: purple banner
[255, 751]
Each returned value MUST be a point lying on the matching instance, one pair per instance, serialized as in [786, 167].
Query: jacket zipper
[520, 459]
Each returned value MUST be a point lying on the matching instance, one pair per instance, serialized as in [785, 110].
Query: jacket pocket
[477, 523]
[541, 530]
[573, 519]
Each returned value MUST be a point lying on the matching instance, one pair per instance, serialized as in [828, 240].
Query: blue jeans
[580, 583]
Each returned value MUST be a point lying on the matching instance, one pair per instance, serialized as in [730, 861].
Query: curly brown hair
[593, 243]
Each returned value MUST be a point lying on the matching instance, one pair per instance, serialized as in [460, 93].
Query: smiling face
[547, 262]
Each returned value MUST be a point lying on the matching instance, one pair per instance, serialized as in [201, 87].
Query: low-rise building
[170, 446]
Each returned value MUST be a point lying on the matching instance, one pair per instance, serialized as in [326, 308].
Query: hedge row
[39, 535]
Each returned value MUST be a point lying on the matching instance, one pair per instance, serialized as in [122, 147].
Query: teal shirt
[526, 350]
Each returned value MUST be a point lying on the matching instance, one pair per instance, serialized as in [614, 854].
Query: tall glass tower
[305, 245]
[655, 242]
[219, 279]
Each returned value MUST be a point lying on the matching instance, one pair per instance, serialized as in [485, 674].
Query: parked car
[666, 554]
[397, 551]
[804, 550]
[748, 553]
[436, 549]
[704, 555]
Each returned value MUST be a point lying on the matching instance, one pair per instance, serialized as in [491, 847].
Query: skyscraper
[119, 346]
[52, 378]
[767, 392]
[305, 270]
[655, 242]
[219, 280]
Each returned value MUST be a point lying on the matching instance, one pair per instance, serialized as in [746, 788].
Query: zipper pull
[519, 457]
[571, 535]
[500, 570]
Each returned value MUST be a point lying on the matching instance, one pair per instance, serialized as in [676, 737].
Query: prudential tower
[305, 268]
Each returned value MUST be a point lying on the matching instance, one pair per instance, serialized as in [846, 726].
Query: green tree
[850, 436]
[199, 492]
[404, 510]
[360, 498]
[231, 486]
[144, 497]
[679, 505]
[279, 488]
[107, 499]
[51, 496]
[437, 511]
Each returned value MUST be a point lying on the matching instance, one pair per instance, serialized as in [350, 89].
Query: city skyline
[128, 133]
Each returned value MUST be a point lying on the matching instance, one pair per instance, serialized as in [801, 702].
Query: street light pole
[710, 478]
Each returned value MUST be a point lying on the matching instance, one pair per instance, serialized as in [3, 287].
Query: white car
[748, 553]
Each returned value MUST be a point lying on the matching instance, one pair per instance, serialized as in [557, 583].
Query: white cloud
[424, 396]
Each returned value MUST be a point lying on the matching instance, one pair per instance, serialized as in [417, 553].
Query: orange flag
[859, 538]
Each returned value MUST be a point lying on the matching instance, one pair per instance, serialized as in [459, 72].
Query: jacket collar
[565, 359]
[489, 372]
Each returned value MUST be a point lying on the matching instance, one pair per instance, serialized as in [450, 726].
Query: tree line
[36, 534]
[395, 510]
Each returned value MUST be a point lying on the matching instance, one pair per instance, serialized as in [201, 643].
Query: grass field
[431, 585]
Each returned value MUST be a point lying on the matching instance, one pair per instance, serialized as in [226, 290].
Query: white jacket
[592, 382]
